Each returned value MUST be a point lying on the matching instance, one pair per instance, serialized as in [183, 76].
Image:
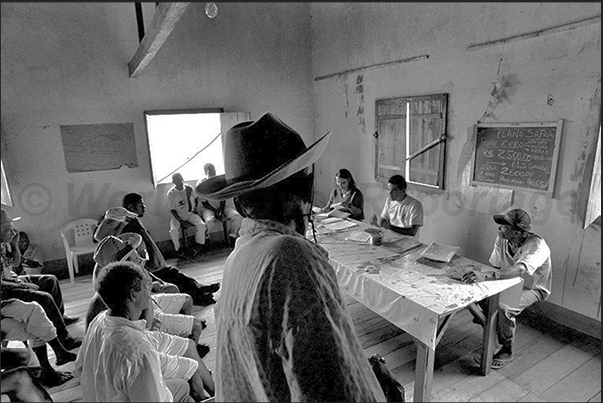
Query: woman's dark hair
[345, 174]
[116, 280]
[399, 181]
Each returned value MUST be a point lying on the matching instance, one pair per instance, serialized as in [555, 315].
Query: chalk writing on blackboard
[516, 155]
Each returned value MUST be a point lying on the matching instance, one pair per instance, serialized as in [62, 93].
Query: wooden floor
[552, 362]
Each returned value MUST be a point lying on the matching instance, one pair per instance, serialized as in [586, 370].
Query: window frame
[411, 150]
[154, 180]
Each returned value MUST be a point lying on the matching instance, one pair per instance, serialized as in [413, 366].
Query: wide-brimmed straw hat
[116, 248]
[259, 154]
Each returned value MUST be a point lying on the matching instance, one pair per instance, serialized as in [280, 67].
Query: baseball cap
[516, 218]
[6, 218]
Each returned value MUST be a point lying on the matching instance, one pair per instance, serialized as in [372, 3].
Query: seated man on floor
[133, 209]
[214, 212]
[180, 201]
[166, 312]
[120, 360]
[32, 261]
[24, 321]
[41, 288]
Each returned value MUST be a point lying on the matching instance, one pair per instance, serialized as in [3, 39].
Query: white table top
[396, 282]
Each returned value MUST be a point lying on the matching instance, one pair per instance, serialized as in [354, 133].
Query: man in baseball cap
[517, 218]
[517, 253]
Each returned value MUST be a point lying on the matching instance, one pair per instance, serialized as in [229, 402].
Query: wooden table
[417, 295]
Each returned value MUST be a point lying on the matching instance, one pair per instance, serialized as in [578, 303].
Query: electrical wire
[191, 158]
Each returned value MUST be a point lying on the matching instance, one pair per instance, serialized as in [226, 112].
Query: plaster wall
[67, 64]
[540, 79]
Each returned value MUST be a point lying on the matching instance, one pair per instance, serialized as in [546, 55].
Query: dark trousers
[172, 275]
[49, 284]
[43, 296]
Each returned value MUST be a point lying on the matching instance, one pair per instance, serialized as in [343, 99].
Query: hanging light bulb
[211, 10]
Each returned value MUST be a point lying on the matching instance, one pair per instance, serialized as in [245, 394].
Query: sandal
[497, 363]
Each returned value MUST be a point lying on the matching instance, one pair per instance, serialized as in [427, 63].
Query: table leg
[489, 335]
[423, 372]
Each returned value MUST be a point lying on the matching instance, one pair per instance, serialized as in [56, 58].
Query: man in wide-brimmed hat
[282, 327]
[517, 253]
[44, 289]
[125, 219]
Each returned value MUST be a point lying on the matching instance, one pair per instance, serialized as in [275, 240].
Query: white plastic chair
[80, 243]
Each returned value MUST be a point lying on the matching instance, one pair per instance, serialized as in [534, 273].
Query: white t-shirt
[404, 214]
[536, 256]
[179, 201]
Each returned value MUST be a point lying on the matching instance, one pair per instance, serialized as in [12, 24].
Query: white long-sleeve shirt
[120, 361]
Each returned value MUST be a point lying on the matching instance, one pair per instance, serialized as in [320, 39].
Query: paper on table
[339, 213]
[330, 220]
[439, 253]
[332, 213]
[340, 225]
[359, 236]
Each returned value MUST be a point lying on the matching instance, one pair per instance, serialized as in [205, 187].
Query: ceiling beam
[166, 16]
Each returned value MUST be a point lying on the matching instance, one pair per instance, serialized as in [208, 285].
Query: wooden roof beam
[166, 16]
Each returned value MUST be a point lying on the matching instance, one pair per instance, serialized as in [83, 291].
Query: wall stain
[503, 91]
[343, 80]
[360, 110]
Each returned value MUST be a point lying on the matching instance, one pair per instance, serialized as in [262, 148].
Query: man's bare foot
[65, 358]
[54, 378]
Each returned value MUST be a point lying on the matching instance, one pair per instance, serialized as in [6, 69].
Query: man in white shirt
[517, 252]
[401, 213]
[180, 200]
[217, 211]
[122, 361]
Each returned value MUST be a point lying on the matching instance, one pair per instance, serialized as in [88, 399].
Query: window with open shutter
[411, 139]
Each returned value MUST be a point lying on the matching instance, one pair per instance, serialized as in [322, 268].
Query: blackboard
[516, 155]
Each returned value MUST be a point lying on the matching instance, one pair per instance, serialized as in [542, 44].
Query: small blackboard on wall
[516, 155]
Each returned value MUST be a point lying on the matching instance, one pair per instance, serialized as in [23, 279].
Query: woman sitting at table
[346, 197]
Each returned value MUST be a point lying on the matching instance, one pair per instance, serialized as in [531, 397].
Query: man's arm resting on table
[477, 276]
[384, 222]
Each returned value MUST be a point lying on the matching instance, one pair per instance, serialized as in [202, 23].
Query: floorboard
[552, 362]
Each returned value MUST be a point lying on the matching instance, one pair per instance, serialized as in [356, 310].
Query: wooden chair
[78, 236]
